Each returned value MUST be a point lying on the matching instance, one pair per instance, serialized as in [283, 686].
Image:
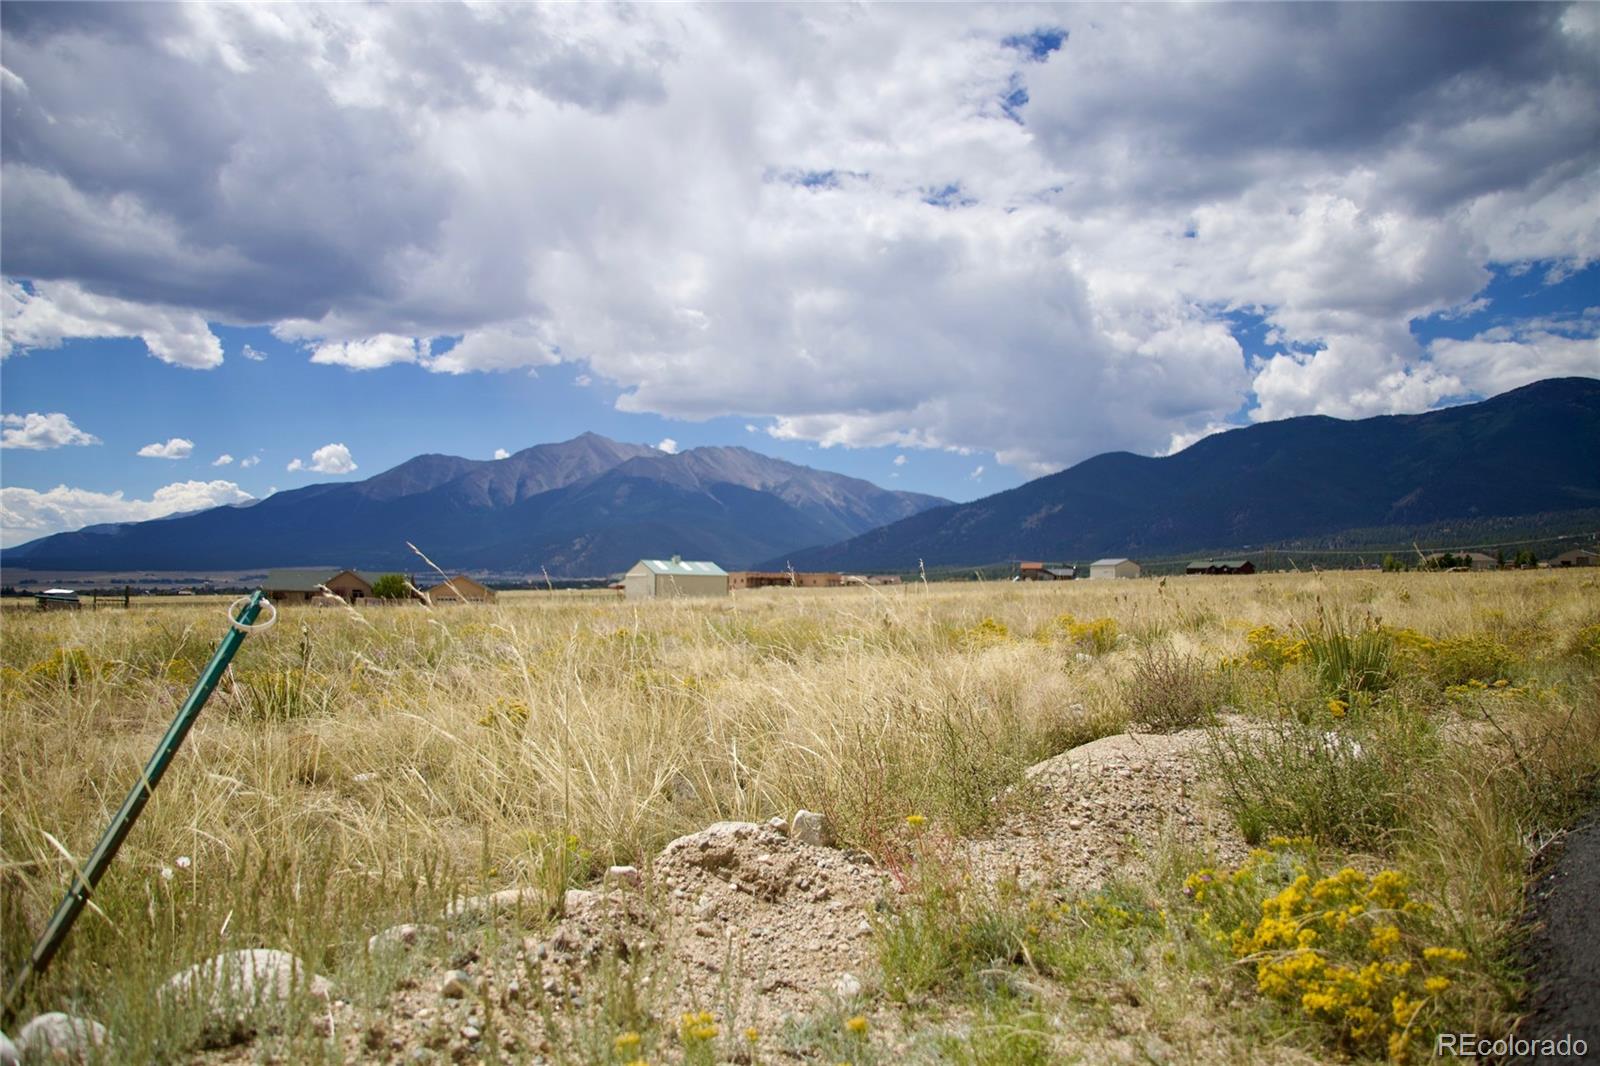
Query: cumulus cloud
[369, 353]
[249, 461]
[56, 311]
[37, 432]
[253, 354]
[1014, 230]
[977, 473]
[222, 460]
[501, 453]
[328, 459]
[27, 513]
[668, 445]
[899, 460]
[174, 448]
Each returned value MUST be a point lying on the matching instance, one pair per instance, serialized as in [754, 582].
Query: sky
[947, 248]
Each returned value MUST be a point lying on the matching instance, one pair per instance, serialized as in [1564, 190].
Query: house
[657, 578]
[1577, 557]
[1220, 566]
[760, 579]
[460, 589]
[1044, 572]
[1110, 568]
[305, 584]
[57, 600]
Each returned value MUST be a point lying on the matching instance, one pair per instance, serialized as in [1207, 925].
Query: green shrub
[1348, 656]
[1338, 777]
[1170, 691]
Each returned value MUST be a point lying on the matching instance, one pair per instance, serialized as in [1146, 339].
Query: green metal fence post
[84, 881]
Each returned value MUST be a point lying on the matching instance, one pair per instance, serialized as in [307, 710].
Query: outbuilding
[1577, 557]
[460, 589]
[657, 578]
[1110, 568]
[1220, 566]
[306, 584]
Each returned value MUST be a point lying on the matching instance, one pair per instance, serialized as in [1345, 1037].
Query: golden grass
[535, 740]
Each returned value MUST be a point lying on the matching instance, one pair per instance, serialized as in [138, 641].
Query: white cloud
[222, 460]
[253, 354]
[888, 227]
[62, 310]
[583, 381]
[174, 448]
[899, 460]
[977, 474]
[28, 513]
[370, 353]
[668, 445]
[328, 459]
[37, 432]
[249, 461]
[501, 453]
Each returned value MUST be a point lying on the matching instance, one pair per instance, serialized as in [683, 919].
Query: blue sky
[946, 249]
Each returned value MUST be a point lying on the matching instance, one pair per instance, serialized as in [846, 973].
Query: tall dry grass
[380, 765]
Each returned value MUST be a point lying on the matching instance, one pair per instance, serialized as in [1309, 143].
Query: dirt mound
[740, 908]
[1097, 805]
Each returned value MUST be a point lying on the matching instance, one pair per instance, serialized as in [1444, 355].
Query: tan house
[661, 578]
[460, 589]
[304, 584]
[1577, 557]
[1102, 569]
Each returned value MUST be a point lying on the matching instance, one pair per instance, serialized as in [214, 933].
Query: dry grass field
[1395, 748]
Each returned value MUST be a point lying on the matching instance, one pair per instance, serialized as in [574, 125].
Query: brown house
[460, 589]
[1577, 557]
[305, 585]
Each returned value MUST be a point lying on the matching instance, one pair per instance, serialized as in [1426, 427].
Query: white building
[651, 578]
[1109, 568]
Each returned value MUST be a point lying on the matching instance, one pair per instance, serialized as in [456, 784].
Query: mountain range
[1534, 449]
[593, 506]
[586, 506]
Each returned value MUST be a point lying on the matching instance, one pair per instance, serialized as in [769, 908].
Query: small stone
[509, 899]
[8, 1051]
[575, 899]
[778, 825]
[810, 827]
[470, 1033]
[248, 978]
[59, 1036]
[624, 875]
[846, 986]
[399, 936]
[1074, 823]
[455, 984]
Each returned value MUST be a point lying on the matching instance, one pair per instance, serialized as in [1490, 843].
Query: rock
[508, 899]
[455, 984]
[624, 875]
[399, 936]
[778, 825]
[246, 978]
[60, 1037]
[470, 1033]
[575, 899]
[846, 986]
[810, 827]
[8, 1051]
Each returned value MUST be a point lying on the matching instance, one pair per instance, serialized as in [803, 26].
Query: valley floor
[1282, 818]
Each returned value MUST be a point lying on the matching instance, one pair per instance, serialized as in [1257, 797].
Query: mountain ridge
[582, 507]
[1532, 449]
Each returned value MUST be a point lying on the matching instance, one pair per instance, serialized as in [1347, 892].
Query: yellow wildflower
[856, 1024]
